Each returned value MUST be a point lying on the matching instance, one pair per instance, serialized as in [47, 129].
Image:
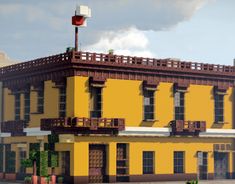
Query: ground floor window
[178, 162]
[65, 162]
[10, 159]
[202, 165]
[22, 156]
[148, 162]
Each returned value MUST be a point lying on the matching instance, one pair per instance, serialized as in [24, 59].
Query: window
[10, 159]
[178, 162]
[219, 107]
[40, 106]
[148, 105]
[179, 105]
[148, 162]
[62, 101]
[65, 162]
[202, 163]
[96, 102]
[27, 106]
[17, 106]
[22, 156]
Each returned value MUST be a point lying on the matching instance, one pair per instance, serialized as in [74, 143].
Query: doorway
[220, 165]
[97, 163]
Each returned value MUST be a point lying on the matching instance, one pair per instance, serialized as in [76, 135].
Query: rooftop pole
[79, 20]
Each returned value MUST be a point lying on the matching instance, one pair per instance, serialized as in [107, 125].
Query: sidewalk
[183, 182]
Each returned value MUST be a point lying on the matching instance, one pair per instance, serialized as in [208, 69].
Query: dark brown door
[221, 165]
[97, 163]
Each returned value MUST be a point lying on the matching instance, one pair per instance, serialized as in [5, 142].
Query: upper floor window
[27, 106]
[178, 162]
[96, 102]
[219, 108]
[149, 88]
[148, 162]
[40, 104]
[179, 97]
[179, 105]
[17, 106]
[219, 93]
[62, 101]
[148, 105]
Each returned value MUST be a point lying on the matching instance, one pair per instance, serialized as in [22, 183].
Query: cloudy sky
[191, 30]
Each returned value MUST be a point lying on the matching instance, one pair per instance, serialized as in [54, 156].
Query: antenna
[80, 20]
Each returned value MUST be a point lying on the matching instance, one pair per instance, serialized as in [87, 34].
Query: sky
[189, 30]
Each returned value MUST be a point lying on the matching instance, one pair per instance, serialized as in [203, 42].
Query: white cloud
[124, 42]
[5, 60]
[111, 24]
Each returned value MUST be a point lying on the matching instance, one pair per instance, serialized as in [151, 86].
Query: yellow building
[111, 118]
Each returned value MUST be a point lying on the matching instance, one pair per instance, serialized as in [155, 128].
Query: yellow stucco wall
[81, 96]
[163, 147]
[8, 106]
[124, 99]
[51, 106]
[199, 106]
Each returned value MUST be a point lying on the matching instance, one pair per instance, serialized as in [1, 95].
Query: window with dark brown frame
[17, 106]
[148, 105]
[179, 105]
[27, 106]
[148, 162]
[10, 159]
[40, 105]
[22, 156]
[178, 162]
[96, 102]
[62, 101]
[219, 107]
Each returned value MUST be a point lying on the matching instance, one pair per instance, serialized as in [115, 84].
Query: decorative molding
[60, 66]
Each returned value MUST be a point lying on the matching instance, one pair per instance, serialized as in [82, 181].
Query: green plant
[60, 179]
[54, 159]
[27, 179]
[27, 163]
[47, 179]
[192, 182]
[43, 163]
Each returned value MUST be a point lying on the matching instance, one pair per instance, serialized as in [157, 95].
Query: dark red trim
[115, 67]
[16, 128]
[180, 127]
[83, 125]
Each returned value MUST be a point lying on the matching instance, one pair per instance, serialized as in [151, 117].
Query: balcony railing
[180, 127]
[16, 128]
[76, 57]
[83, 125]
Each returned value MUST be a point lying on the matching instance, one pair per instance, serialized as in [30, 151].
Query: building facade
[113, 118]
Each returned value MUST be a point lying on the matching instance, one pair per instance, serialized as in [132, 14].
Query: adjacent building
[113, 118]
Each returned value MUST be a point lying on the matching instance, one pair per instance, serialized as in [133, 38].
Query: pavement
[172, 182]
[183, 182]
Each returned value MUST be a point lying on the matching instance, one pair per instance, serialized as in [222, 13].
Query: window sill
[149, 120]
[148, 174]
[35, 113]
[220, 122]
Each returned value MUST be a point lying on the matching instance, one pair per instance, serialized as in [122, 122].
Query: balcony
[180, 127]
[83, 125]
[16, 127]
